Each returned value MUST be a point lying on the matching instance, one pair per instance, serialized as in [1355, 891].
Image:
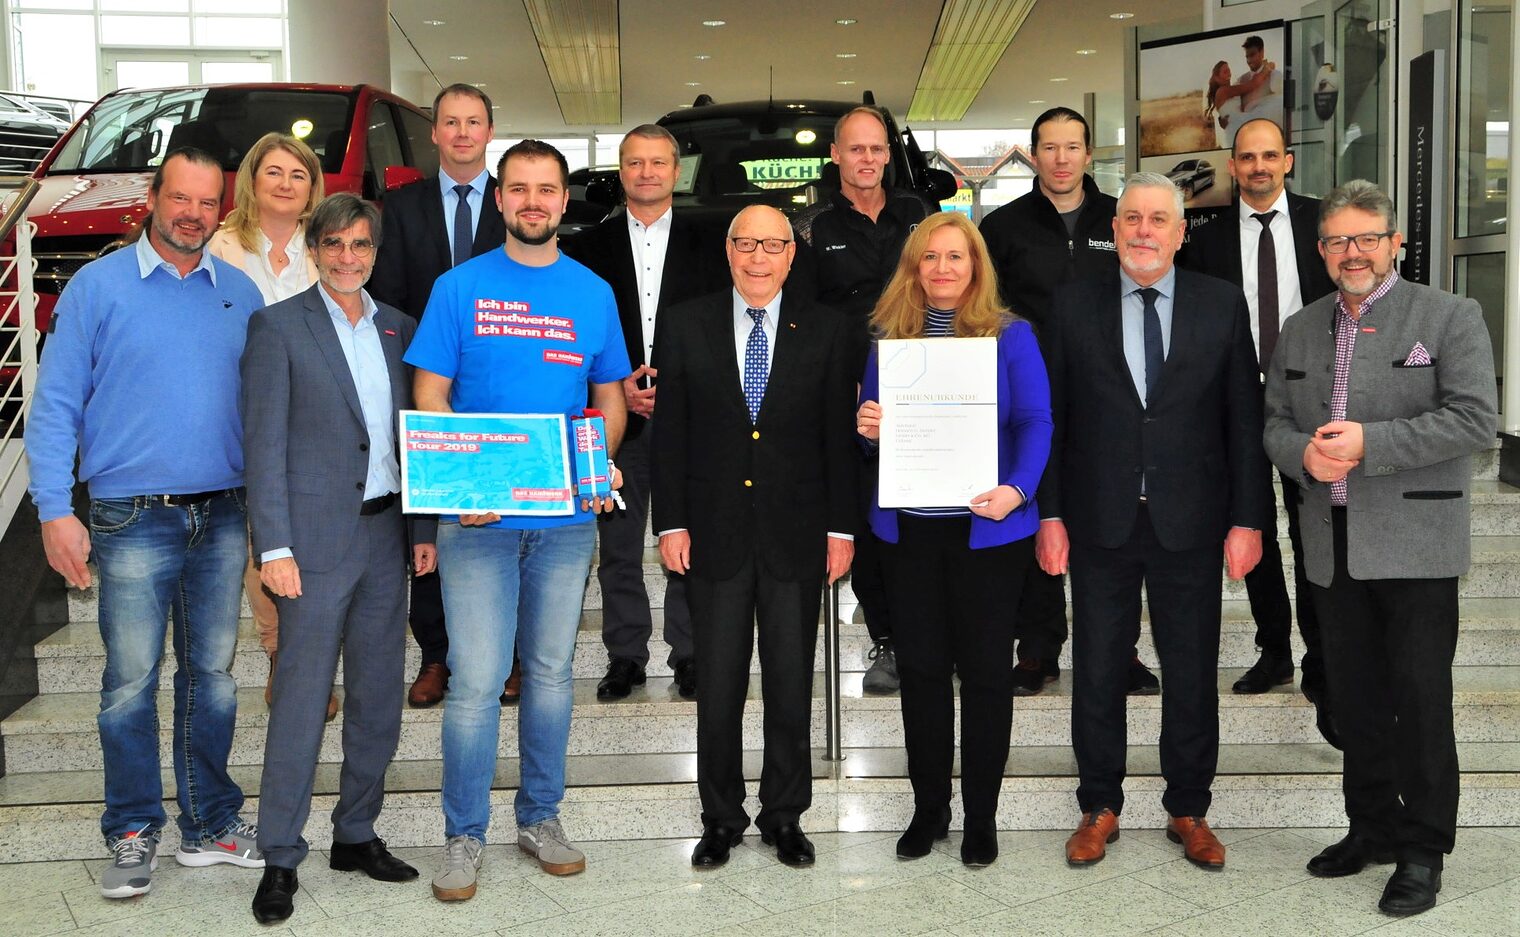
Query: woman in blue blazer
[954, 571]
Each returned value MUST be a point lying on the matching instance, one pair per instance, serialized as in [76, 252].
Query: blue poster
[479, 463]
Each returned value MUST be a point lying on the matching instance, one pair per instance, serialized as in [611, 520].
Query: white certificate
[938, 421]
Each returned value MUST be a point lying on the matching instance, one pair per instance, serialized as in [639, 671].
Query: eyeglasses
[748, 245]
[334, 247]
[1364, 242]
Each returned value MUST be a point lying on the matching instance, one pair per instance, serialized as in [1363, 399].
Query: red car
[94, 183]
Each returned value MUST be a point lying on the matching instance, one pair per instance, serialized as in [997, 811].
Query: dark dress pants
[356, 608]
[1389, 646]
[1182, 589]
[1040, 624]
[627, 621]
[724, 615]
[1266, 587]
[867, 579]
[951, 605]
[427, 619]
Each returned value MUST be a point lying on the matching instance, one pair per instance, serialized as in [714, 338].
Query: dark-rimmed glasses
[748, 245]
[1366, 243]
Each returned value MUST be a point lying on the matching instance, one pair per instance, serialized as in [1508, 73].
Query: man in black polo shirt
[1061, 231]
[847, 248]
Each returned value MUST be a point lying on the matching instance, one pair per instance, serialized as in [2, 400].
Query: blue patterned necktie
[754, 364]
[464, 238]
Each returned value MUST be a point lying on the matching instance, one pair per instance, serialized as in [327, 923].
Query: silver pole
[834, 749]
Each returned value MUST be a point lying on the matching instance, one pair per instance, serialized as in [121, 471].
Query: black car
[26, 135]
[1192, 176]
[772, 153]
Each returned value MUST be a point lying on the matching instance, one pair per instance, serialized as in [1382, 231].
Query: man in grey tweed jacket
[1377, 397]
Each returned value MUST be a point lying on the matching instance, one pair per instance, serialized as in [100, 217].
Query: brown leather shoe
[332, 705]
[1087, 844]
[511, 692]
[428, 689]
[269, 682]
[1199, 843]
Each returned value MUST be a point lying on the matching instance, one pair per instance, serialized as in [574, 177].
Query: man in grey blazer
[322, 382]
[1377, 397]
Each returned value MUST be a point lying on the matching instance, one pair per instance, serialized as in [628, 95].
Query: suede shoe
[428, 689]
[1268, 671]
[1410, 890]
[623, 675]
[1348, 857]
[1033, 675]
[1088, 844]
[925, 827]
[371, 858]
[274, 901]
[686, 678]
[1141, 681]
[792, 845]
[979, 844]
[712, 849]
[1199, 843]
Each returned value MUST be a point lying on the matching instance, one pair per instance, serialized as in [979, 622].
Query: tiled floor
[857, 887]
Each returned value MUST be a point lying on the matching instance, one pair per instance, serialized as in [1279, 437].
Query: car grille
[59, 258]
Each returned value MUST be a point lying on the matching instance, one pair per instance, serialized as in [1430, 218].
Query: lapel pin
[390, 331]
[791, 325]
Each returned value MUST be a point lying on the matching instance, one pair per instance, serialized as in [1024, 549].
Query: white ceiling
[783, 47]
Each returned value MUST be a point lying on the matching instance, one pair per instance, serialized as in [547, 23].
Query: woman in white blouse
[277, 186]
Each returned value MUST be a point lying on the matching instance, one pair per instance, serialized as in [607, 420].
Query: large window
[1482, 171]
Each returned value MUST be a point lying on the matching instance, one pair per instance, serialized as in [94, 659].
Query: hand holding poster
[485, 463]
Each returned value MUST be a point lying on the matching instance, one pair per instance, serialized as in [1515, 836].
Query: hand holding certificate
[938, 422]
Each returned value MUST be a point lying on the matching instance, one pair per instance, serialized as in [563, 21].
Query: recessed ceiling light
[1121, 16]
[701, 56]
[844, 55]
[693, 84]
[1087, 51]
[479, 84]
[433, 23]
[845, 22]
[1038, 101]
[844, 82]
[460, 58]
[715, 22]
[1060, 79]
[683, 106]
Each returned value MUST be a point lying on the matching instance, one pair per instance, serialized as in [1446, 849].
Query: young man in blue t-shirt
[520, 330]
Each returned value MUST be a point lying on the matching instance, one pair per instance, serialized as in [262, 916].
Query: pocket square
[1417, 356]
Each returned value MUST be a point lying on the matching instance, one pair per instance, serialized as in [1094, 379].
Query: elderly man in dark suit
[653, 258]
[1267, 244]
[754, 500]
[323, 380]
[1383, 474]
[1156, 468]
[428, 228]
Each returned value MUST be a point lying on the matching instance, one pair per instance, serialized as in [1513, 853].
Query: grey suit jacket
[306, 449]
[1407, 509]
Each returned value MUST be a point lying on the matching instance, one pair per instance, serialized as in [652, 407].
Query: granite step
[57, 731]
[71, 659]
[865, 792]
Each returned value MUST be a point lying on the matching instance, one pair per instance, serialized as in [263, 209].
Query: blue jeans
[500, 587]
[156, 560]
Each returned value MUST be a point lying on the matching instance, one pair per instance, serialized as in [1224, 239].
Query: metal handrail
[833, 746]
[18, 314]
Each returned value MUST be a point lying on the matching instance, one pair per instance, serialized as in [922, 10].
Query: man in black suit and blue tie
[428, 228]
[1156, 469]
[754, 501]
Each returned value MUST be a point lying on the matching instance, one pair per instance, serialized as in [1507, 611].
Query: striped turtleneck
[938, 323]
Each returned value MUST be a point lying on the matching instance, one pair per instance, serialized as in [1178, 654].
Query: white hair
[734, 224]
[1154, 180]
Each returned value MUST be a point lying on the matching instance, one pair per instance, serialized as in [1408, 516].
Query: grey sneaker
[881, 676]
[455, 880]
[236, 845]
[547, 842]
[134, 858]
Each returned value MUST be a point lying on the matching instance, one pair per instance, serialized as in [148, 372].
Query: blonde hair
[899, 313]
[243, 220]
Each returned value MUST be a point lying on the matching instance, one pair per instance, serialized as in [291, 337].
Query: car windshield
[770, 159]
[135, 130]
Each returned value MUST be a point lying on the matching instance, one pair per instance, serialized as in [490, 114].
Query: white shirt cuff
[283, 553]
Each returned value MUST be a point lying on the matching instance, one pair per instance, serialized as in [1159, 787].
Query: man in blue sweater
[140, 378]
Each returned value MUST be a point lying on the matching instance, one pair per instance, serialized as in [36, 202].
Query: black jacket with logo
[1033, 254]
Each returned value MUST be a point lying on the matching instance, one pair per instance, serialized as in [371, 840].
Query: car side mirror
[942, 184]
[605, 189]
[398, 176]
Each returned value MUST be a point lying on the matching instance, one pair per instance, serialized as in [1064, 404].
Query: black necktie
[463, 236]
[1266, 290]
[1154, 355]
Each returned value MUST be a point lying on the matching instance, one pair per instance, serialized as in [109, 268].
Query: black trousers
[867, 579]
[1389, 645]
[1267, 589]
[1040, 624]
[1182, 589]
[951, 605]
[724, 616]
[427, 619]
[627, 621]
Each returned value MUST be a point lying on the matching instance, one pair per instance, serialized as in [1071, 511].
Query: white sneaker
[455, 880]
[237, 845]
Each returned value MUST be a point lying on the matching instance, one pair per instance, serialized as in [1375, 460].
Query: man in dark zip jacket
[1060, 232]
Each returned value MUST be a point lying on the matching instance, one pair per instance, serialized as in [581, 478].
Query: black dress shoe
[686, 678]
[622, 676]
[1317, 693]
[712, 849]
[979, 844]
[925, 827]
[1268, 671]
[371, 858]
[275, 899]
[792, 845]
[1410, 890]
[1348, 857]
[1141, 681]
